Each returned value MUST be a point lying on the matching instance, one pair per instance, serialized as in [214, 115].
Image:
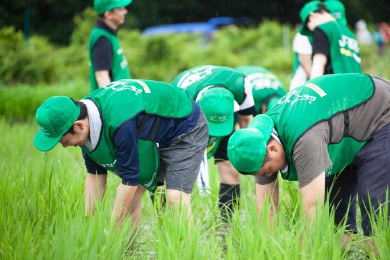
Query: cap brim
[122, 3]
[221, 129]
[44, 143]
[126, 2]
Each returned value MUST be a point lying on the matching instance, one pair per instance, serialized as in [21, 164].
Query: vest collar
[101, 24]
[95, 124]
[275, 135]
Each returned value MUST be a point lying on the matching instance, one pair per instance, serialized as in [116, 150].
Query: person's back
[335, 48]
[343, 50]
[266, 87]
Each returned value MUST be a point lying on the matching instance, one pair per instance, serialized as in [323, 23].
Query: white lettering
[119, 86]
[196, 75]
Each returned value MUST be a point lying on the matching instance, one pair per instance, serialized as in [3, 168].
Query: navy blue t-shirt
[125, 141]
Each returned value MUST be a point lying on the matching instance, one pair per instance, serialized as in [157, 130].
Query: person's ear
[107, 14]
[271, 147]
[79, 125]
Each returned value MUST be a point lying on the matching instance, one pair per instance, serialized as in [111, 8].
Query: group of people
[329, 131]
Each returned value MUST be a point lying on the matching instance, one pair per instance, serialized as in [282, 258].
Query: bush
[30, 61]
[20, 103]
[36, 61]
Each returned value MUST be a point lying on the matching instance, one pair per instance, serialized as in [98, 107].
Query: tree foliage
[54, 18]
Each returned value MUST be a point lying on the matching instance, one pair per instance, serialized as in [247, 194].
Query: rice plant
[42, 217]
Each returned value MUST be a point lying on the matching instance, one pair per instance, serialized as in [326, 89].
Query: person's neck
[110, 24]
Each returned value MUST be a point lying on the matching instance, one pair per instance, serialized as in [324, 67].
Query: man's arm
[319, 62]
[95, 185]
[123, 201]
[305, 61]
[321, 52]
[268, 191]
[102, 77]
[313, 194]
[102, 59]
[127, 160]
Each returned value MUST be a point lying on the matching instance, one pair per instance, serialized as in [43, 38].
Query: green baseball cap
[218, 106]
[247, 148]
[308, 8]
[55, 117]
[337, 10]
[102, 6]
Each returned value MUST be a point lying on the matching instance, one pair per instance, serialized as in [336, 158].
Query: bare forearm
[318, 68]
[95, 186]
[306, 63]
[102, 77]
[313, 195]
[124, 198]
[268, 192]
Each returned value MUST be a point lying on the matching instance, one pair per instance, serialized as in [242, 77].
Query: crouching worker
[141, 130]
[334, 124]
[219, 91]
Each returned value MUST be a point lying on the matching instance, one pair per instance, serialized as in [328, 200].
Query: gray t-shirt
[311, 156]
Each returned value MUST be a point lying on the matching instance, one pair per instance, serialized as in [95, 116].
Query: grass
[42, 217]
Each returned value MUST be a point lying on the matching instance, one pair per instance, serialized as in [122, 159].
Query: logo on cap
[46, 132]
[218, 119]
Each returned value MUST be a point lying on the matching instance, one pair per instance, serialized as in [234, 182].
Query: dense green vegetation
[35, 69]
[42, 217]
[47, 16]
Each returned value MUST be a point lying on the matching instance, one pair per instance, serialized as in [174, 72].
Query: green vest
[212, 145]
[295, 63]
[121, 101]
[317, 101]
[120, 70]
[344, 49]
[198, 78]
[265, 85]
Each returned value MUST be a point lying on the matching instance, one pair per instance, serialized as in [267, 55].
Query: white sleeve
[301, 44]
[248, 101]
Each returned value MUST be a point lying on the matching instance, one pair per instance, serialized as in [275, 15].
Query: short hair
[321, 9]
[83, 115]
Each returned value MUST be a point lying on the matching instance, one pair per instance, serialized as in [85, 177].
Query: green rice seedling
[42, 217]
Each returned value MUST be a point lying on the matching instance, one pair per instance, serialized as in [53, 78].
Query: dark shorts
[369, 177]
[221, 153]
[180, 161]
